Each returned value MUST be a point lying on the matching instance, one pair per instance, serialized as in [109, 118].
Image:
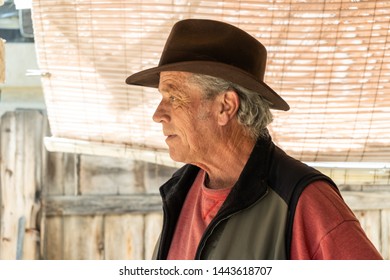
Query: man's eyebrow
[169, 87]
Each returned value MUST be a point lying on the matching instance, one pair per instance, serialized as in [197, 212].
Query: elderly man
[239, 196]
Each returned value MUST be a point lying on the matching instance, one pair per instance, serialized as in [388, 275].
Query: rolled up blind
[330, 60]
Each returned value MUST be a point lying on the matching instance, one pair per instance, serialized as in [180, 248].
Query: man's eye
[172, 98]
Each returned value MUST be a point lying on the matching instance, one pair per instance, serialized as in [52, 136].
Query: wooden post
[21, 150]
[2, 61]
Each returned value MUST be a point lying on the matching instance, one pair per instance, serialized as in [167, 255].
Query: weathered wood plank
[99, 204]
[153, 226]
[21, 180]
[385, 234]
[123, 237]
[367, 200]
[31, 249]
[156, 175]
[83, 238]
[358, 176]
[61, 176]
[370, 221]
[105, 204]
[8, 233]
[110, 175]
[52, 243]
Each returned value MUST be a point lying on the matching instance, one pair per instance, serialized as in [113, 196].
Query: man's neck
[226, 163]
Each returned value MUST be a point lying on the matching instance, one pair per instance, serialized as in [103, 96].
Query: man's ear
[229, 104]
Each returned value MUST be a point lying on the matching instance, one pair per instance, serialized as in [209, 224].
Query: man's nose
[162, 113]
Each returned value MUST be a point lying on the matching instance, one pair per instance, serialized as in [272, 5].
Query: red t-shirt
[200, 207]
[324, 227]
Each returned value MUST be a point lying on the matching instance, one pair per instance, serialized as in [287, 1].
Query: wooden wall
[69, 206]
[101, 208]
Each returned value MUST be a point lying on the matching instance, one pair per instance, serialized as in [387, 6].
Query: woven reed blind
[330, 60]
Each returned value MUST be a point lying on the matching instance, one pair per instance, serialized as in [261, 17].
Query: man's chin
[176, 157]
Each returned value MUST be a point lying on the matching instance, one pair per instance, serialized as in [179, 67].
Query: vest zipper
[207, 235]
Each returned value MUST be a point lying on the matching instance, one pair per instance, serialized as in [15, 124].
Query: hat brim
[151, 78]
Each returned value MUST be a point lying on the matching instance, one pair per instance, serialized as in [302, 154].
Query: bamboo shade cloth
[330, 60]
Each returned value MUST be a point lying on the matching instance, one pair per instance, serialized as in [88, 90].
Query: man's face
[188, 121]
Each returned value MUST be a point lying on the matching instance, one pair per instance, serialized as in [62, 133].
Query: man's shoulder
[289, 176]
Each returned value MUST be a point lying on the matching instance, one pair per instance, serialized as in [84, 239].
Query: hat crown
[208, 40]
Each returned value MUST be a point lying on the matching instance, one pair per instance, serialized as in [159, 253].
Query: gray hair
[254, 112]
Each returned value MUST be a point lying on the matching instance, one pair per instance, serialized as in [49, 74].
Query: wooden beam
[101, 204]
[367, 200]
[146, 203]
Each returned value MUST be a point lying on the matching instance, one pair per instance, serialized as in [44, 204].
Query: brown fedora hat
[216, 49]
